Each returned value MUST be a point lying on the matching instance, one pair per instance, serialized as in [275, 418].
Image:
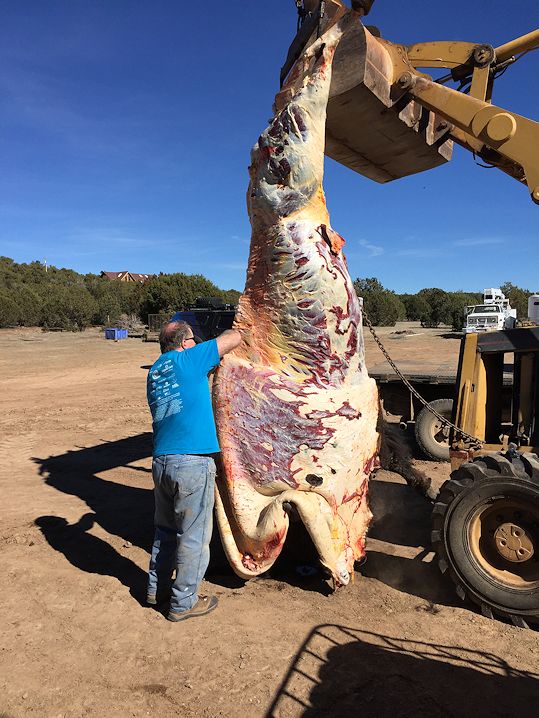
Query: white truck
[533, 309]
[495, 313]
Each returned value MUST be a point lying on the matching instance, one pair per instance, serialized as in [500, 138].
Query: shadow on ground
[121, 509]
[341, 671]
[402, 519]
[90, 553]
[125, 509]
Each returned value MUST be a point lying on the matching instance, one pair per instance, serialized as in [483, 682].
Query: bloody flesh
[295, 409]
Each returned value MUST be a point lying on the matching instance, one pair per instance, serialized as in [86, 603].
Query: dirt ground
[76, 526]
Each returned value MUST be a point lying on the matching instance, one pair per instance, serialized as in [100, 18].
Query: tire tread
[488, 467]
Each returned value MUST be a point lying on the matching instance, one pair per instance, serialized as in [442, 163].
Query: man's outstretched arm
[227, 341]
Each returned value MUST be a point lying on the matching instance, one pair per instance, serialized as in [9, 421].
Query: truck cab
[494, 314]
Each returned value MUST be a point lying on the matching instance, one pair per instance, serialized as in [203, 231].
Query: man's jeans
[184, 487]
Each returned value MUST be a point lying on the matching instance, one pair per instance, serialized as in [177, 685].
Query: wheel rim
[503, 537]
[440, 432]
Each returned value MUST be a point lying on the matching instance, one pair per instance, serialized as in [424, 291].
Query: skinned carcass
[295, 409]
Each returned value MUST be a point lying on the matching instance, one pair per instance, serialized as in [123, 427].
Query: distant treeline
[431, 307]
[52, 298]
[32, 295]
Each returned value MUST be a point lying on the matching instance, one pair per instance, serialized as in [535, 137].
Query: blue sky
[126, 127]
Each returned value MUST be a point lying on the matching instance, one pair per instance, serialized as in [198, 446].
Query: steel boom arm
[500, 137]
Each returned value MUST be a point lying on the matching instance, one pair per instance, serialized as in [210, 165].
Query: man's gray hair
[172, 335]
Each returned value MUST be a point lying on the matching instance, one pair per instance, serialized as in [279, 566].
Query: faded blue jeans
[184, 487]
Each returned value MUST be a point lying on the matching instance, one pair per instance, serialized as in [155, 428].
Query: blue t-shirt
[179, 398]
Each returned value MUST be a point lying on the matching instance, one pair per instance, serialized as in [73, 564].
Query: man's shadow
[90, 553]
[121, 509]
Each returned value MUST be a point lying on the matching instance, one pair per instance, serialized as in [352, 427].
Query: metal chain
[413, 390]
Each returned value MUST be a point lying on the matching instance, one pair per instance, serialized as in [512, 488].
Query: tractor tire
[431, 436]
[485, 531]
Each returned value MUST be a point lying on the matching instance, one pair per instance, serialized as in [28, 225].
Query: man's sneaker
[204, 605]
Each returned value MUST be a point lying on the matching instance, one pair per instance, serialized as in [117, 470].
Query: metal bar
[511, 136]
[523, 339]
[465, 404]
[298, 45]
[480, 80]
[440, 53]
[534, 431]
[518, 45]
[493, 410]
[479, 405]
[526, 396]
[515, 408]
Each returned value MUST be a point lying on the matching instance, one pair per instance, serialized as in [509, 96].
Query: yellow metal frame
[473, 386]
[507, 140]
[498, 136]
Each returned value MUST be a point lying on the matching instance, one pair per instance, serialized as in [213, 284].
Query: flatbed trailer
[436, 383]
[432, 381]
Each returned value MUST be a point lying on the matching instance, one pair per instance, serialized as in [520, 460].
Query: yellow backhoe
[386, 119]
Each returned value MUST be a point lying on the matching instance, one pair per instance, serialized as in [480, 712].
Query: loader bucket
[372, 128]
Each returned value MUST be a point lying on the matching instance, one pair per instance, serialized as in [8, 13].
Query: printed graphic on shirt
[165, 392]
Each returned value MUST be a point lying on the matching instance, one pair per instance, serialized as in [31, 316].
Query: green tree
[30, 288]
[382, 306]
[438, 307]
[414, 305]
[9, 311]
[175, 292]
[30, 302]
[108, 309]
[114, 298]
[69, 307]
[107, 301]
[130, 296]
[231, 296]
[518, 298]
[459, 301]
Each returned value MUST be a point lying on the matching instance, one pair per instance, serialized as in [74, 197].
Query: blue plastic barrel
[115, 333]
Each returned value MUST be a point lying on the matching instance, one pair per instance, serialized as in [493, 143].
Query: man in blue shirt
[183, 468]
